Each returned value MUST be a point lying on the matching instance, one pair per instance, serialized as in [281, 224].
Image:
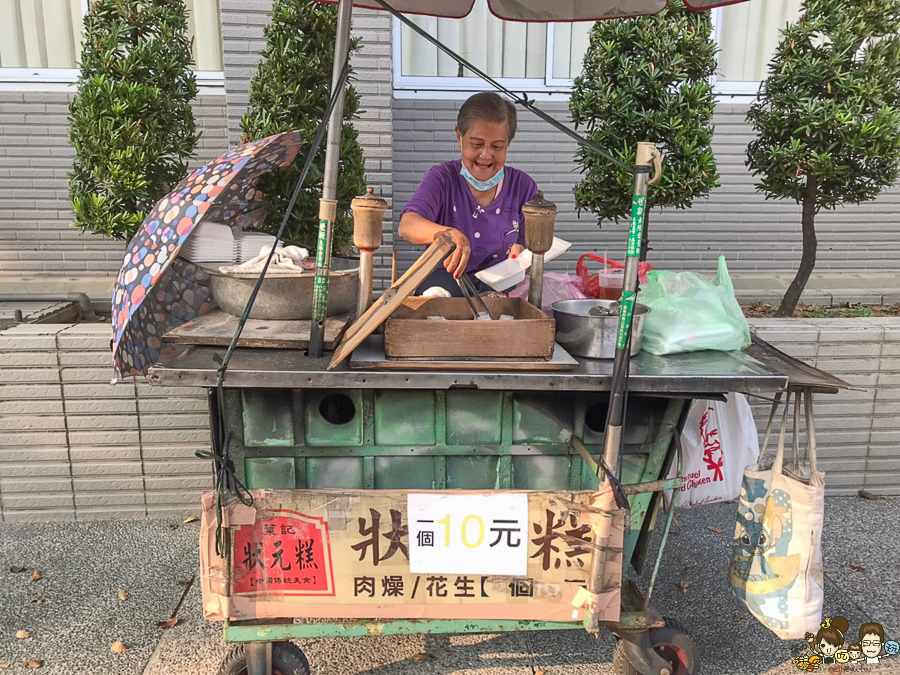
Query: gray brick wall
[74, 446]
[35, 156]
[754, 234]
[857, 432]
[242, 30]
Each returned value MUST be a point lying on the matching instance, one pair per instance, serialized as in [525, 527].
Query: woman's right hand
[456, 262]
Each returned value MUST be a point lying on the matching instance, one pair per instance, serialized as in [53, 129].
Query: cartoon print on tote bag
[762, 571]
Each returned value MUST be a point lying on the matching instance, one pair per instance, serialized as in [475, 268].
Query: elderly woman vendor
[476, 198]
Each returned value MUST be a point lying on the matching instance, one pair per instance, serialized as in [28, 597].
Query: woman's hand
[456, 262]
[515, 251]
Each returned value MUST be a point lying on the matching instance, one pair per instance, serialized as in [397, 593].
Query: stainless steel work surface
[705, 372]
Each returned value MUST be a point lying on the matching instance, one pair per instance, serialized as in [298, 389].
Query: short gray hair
[489, 107]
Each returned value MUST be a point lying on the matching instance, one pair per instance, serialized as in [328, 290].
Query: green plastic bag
[689, 313]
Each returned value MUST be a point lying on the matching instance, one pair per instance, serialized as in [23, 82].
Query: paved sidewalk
[84, 564]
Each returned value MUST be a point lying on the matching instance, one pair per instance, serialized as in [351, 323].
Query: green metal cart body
[295, 426]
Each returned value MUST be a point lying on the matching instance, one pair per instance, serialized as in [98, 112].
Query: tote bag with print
[776, 565]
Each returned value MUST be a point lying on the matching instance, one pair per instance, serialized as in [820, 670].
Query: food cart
[362, 495]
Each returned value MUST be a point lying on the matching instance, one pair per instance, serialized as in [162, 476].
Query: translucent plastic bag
[557, 287]
[689, 312]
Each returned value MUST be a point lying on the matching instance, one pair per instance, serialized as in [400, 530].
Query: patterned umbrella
[155, 291]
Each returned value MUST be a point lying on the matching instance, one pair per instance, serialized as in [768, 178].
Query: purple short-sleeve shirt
[444, 197]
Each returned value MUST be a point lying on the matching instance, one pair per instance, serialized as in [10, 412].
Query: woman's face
[826, 648]
[484, 148]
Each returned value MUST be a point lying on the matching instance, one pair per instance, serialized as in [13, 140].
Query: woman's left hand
[515, 251]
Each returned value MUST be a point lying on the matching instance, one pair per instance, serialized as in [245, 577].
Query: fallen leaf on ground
[4, 666]
[123, 594]
[38, 601]
[172, 528]
[865, 494]
[717, 530]
[540, 671]
[168, 623]
[191, 519]
[686, 584]
[186, 582]
[857, 568]
[15, 569]
[738, 617]
[36, 576]
[22, 634]
[690, 569]
[118, 647]
[422, 656]
[887, 498]
[34, 664]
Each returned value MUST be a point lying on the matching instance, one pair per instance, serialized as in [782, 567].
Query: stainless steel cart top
[760, 369]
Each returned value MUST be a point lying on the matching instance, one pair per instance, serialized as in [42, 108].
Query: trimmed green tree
[290, 91]
[647, 79]
[131, 121]
[828, 115]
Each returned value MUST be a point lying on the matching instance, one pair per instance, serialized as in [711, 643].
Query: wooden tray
[216, 328]
[370, 356]
[409, 333]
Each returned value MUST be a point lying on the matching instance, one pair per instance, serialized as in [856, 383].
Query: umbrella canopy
[541, 10]
[155, 291]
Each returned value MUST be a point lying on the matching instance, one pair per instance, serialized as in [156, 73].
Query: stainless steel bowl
[286, 297]
[594, 337]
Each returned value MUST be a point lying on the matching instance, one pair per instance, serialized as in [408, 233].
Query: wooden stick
[393, 267]
[393, 297]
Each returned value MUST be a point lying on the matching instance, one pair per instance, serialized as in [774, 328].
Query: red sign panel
[284, 553]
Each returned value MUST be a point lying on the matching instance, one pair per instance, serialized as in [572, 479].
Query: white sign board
[468, 534]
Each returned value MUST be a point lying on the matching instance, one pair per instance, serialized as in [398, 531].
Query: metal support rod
[366, 272]
[536, 280]
[810, 432]
[329, 182]
[259, 658]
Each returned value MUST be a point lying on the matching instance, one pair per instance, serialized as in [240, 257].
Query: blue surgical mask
[481, 185]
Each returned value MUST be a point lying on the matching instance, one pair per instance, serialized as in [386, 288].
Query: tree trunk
[645, 237]
[808, 258]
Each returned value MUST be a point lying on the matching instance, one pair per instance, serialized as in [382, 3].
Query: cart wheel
[673, 643]
[287, 659]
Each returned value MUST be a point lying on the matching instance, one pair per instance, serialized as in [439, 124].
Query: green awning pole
[328, 205]
[647, 156]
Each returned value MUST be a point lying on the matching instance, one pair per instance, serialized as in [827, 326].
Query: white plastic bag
[557, 286]
[776, 565]
[689, 313]
[719, 441]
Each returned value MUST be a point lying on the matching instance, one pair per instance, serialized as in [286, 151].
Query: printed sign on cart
[468, 534]
[321, 553]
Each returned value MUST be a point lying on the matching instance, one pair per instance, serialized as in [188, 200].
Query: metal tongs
[472, 297]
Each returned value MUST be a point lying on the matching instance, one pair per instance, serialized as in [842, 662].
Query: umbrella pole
[647, 156]
[328, 202]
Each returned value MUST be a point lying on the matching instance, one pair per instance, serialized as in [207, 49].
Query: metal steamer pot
[286, 297]
[594, 337]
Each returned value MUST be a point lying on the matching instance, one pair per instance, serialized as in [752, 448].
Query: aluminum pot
[286, 297]
[594, 337]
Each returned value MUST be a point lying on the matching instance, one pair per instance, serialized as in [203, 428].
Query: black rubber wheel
[287, 659]
[673, 643]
